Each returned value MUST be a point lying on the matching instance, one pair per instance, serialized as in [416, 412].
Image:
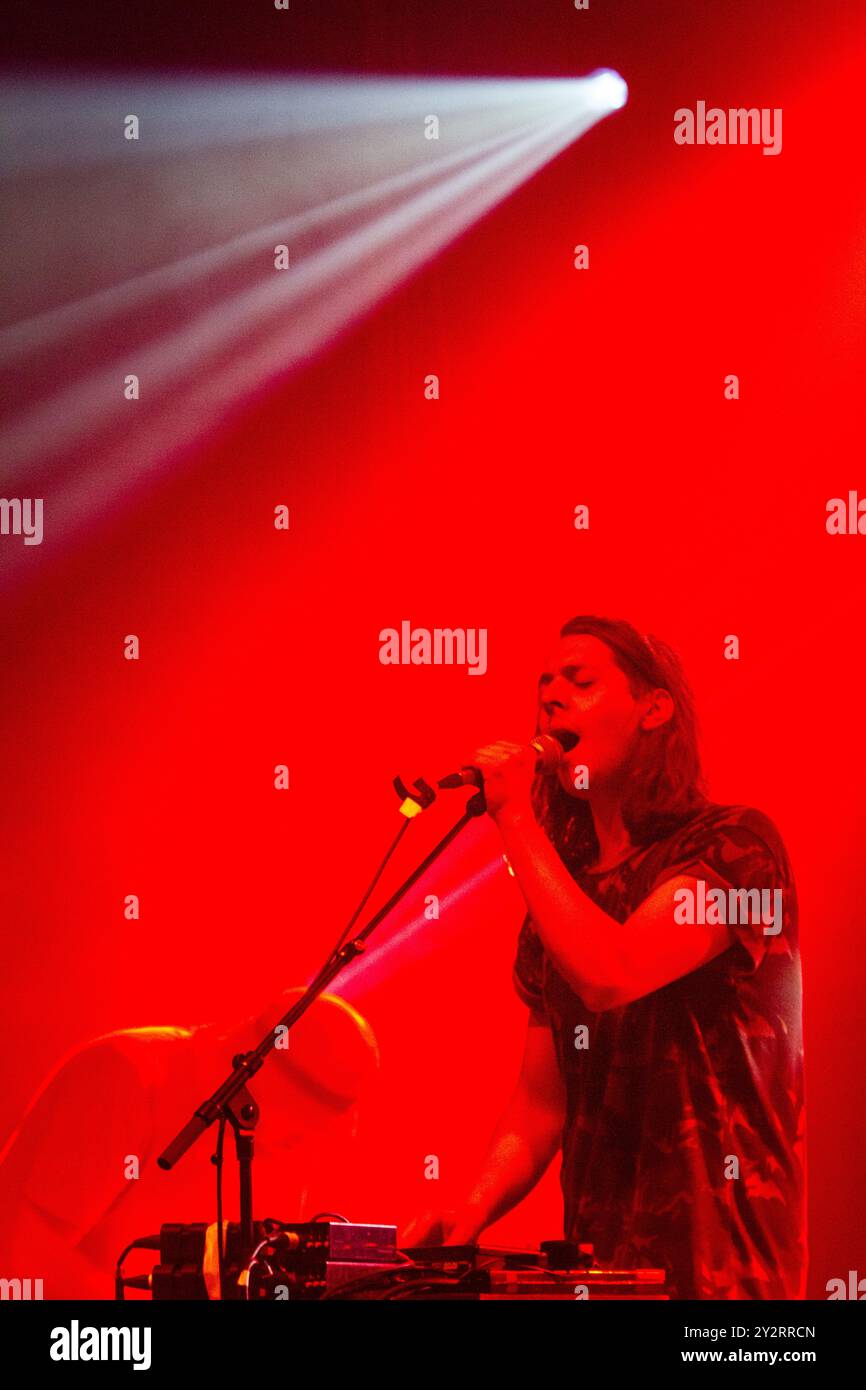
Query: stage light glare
[609, 90]
[263, 218]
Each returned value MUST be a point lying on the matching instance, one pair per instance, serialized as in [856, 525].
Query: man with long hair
[664, 1044]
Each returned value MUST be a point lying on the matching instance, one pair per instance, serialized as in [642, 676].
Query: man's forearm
[521, 1148]
[581, 939]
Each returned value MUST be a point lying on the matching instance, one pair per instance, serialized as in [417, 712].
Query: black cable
[359, 909]
[119, 1294]
[219, 1168]
[370, 1281]
[417, 1290]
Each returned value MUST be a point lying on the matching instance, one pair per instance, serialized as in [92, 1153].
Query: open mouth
[567, 738]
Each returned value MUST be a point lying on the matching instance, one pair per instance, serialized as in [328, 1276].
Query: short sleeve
[743, 851]
[528, 974]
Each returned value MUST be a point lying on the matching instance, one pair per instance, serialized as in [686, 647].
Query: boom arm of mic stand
[246, 1065]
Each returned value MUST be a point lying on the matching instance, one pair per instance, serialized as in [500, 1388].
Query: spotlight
[609, 90]
[257, 220]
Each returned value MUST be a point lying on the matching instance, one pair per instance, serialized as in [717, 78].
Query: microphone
[549, 747]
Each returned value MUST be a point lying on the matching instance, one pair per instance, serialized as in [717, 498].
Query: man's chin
[565, 777]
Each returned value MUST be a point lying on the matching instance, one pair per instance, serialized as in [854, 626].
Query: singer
[664, 1057]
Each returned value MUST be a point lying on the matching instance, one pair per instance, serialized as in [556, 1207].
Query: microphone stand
[233, 1099]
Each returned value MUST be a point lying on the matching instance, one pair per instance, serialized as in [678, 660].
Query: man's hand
[508, 770]
[442, 1228]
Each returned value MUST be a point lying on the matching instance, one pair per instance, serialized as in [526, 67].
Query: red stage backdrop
[259, 647]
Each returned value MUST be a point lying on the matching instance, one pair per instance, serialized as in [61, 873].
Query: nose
[552, 701]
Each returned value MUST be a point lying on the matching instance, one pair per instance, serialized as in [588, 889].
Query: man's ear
[659, 709]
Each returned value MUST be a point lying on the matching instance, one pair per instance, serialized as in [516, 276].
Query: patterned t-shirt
[684, 1140]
